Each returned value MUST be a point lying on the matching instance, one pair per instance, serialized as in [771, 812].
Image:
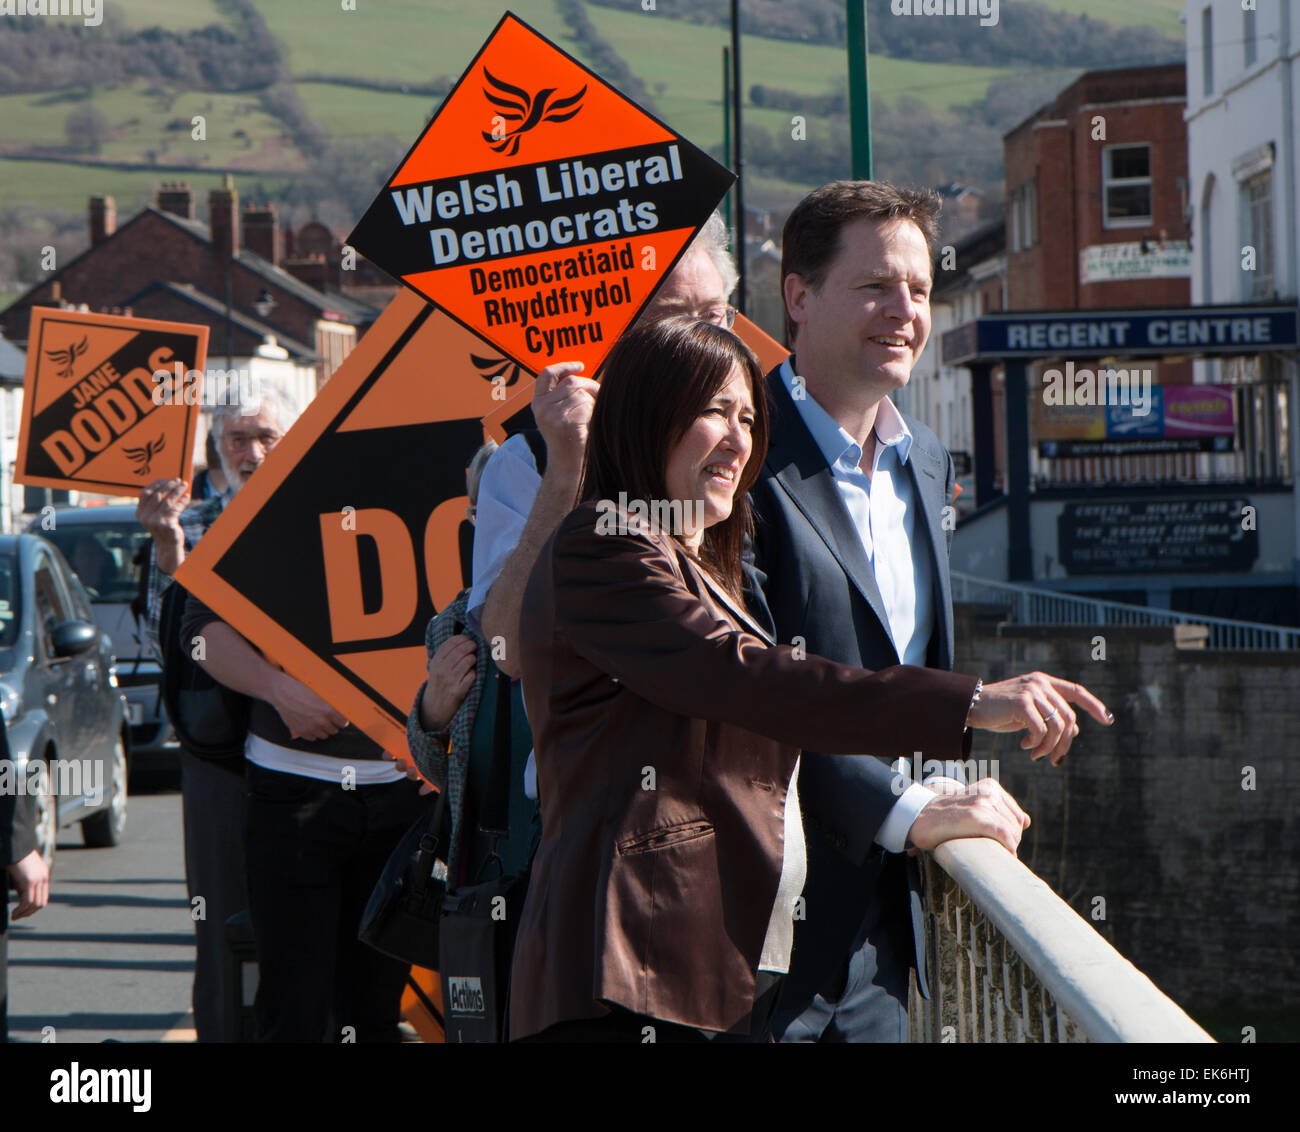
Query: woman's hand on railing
[982, 810]
[1040, 704]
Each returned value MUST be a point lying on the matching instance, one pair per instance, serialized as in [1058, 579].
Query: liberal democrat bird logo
[492, 369]
[517, 105]
[144, 456]
[67, 358]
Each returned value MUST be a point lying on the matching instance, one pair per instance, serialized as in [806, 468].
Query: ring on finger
[1050, 715]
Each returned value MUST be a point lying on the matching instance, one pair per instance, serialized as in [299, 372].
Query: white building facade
[1243, 106]
[1243, 113]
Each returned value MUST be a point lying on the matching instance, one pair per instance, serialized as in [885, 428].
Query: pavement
[111, 958]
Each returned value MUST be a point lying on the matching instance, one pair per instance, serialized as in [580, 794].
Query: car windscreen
[10, 596]
[103, 555]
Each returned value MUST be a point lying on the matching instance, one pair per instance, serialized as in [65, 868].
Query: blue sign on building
[1124, 333]
[1122, 423]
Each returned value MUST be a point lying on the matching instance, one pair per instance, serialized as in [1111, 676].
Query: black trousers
[212, 802]
[314, 852]
[622, 1026]
[4, 956]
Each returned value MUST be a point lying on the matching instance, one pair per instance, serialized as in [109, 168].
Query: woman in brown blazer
[668, 725]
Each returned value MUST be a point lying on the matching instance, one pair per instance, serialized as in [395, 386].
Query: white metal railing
[1010, 961]
[1029, 606]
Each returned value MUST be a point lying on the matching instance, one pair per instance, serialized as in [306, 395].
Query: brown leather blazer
[666, 731]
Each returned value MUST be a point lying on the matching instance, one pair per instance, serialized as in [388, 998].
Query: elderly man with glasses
[212, 797]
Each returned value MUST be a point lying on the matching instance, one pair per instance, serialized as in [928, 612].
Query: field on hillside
[54, 184]
[1159, 14]
[142, 119]
[687, 60]
[680, 64]
[352, 112]
[170, 14]
[405, 40]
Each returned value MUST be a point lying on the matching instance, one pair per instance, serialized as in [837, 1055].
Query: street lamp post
[737, 99]
[726, 125]
[859, 89]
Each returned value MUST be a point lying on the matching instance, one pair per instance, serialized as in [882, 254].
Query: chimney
[223, 216]
[177, 198]
[262, 232]
[312, 270]
[103, 219]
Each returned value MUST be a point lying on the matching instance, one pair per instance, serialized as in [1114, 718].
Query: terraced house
[265, 293]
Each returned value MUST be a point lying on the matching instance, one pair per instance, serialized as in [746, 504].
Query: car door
[98, 705]
[62, 677]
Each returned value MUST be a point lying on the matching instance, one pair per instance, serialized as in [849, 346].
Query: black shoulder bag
[476, 938]
[402, 914]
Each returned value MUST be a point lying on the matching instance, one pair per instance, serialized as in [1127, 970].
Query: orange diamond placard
[353, 532]
[110, 403]
[540, 207]
[515, 413]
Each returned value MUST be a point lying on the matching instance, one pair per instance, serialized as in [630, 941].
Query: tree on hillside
[87, 129]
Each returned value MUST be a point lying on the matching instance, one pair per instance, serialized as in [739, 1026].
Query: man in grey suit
[852, 537]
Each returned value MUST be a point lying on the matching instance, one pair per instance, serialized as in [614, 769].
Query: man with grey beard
[212, 796]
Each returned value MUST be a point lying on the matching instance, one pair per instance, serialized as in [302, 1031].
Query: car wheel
[105, 828]
[46, 816]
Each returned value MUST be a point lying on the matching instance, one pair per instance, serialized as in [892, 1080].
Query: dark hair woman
[667, 726]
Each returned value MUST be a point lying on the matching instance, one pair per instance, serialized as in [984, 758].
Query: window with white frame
[1257, 214]
[1024, 216]
[1207, 246]
[1126, 186]
[1248, 36]
[1207, 50]
[1031, 212]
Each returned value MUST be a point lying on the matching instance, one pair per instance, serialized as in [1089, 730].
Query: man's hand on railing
[1041, 704]
[982, 810]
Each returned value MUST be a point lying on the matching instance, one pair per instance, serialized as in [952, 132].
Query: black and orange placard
[352, 533]
[540, 206]
[110, 403]
[515, 413]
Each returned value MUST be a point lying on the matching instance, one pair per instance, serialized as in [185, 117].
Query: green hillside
[169, 13]
[1159, 14]
[322, 100]
[155, 125]
[404, 40]
[351, 112]
[684, 72]
[67, 187]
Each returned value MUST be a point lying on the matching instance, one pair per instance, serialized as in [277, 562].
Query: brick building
[165, 263]
[969, 281]
[1097, 195]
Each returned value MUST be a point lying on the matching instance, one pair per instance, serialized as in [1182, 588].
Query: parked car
[67, 720]
[108, 549]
